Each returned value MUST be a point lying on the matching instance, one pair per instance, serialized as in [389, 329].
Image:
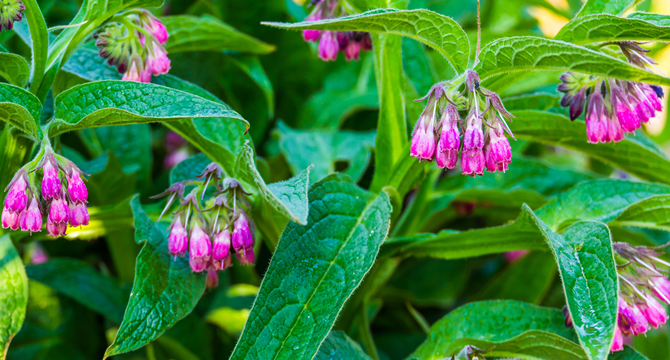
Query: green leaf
[13, 293]
[338, 346]
[324, 149]
[189, 168]
[601, 28]
[628, 353]
[659, 20]
[536, 101]
[14, 68]
[21, 109]
[435, 30]
[528, 53]
[614, 7]
[107, 187]
[165, 290]
[78, 280]
[105, 103]
[588, 272]
[391, 125]
[652, 213]
[252, 66]
[513, 329]
[190, 33]
[637, 155]
[39, 42]
[314, 270]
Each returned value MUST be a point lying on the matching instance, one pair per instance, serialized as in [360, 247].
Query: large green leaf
[512, 329]
[435, 30]
[190, 33]
[13, 293]
[39, 42]
[105, 103]
[652, 213]
[165, 290]
[628, 155]
[78, 280]
[528, 53]
[324, 149]
[14, 68]
[659, 20]
[251, 65]
[338, 346]
[21, 109]
[615, 7]
[314, 270]
[601, 28]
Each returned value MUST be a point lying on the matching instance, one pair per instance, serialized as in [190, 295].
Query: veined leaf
[528, 53]
[659, 20]
[600, 28]
[652, 212]
[614, 7]
[21, 109]
[105, 103]
[13, 293]
[164, 292]
[556, 129]
[190, 33]
[315, 268]
[39, 43]
[14, 68]
[437, 31]
[338, 346]
[510, 328]
[80, 281]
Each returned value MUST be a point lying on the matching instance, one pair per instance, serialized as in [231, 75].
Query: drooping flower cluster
[331, 42]
[208, 235]
[614, 107]
[437, 134]
[133, 41]
[62, 198]
[10, 11]
[642, 285]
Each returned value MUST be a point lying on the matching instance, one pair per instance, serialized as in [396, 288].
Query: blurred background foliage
[303, 111]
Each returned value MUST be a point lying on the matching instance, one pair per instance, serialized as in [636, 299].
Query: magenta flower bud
[514, 256]
[328, 47]
[17, 199]
[76, 188]
[472, 162]
[654, 312]
[51, 186]
[78, 214]
[154, 26]
[654, 100]
[212, 278]
[10, 219]
[631, 319]
[474, 136]
[627, 117]
[662, 288]
[136, 70]
[352, 51]
[312, 35]
[342, 40]
[498, 152]
[158, 61]
[243, 240]
[31, 218]
[56, 229]
[200, 249]
[617, 344]
[423, 141]
[450, 139]
[221, 258]
[596, 120]
[177, 240]
[59, 211]
[614, 131]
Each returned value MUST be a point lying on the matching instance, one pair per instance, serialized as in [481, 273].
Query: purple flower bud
[10, 11]
[212, 278]
[596, 120]
[352, 51]
[312, 35]
[423, 141]
[568, 318]
[51, 186]
[472, 162]
[342, 39]
[498, 152]
[200, 249]
[328, 47]
[59, 211]
[473, 137]
[662, 288]
[654, 312]
[17, 199]
[158, 61]
[652, 97]
[177, 240]
[614, 131]
[617, 344]
[577, 105]
[10, 219]
[627, 117]
[154, 26]
[221, 257]
[136, 71]
[658, 90]
[78, 214]
[366, 42]
[631, 319]
[76, 188]
[450, 139]
[31, 218]
[243, 240]
[56, 229]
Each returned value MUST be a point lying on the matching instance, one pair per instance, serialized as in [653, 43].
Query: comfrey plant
[331, 42]
[437, 133]
[10, 11]
[614, 107]
[61, 199]
[133, 41]
[208, 234]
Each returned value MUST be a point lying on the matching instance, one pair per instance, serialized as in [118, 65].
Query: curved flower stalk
[10, 11]
[614, 108]
[483, 145]
[210, 235]
[61, 198]
[133, 41]
[642, 286]
[332, 42]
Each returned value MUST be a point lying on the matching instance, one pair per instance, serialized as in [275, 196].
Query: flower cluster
[133, 41]
[331, 42]
[437, 134]
[10, 11]
[642, 284]
[63, 196]
[207, 235]
[614, 107]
